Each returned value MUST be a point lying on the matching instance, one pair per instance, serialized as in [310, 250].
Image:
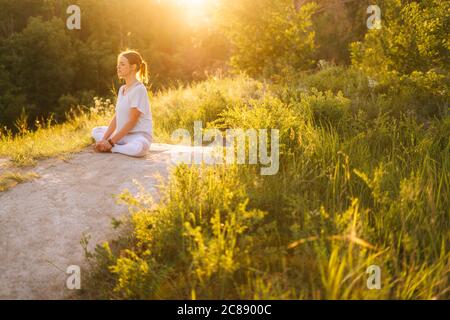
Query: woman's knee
[97, 132]
[143, 149]
[94, 131]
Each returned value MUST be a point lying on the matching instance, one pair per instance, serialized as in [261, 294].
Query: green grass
[355, 188]
[363, 181]
[27, 147]
[180, 107]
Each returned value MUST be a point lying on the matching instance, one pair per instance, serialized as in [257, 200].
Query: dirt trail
[42, 221]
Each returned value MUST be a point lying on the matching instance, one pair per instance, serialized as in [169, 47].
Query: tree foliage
[269, 38]
[413, 37]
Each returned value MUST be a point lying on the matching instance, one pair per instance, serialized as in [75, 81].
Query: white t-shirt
[135, 97]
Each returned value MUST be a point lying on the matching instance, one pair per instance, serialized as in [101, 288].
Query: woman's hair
[134, 57]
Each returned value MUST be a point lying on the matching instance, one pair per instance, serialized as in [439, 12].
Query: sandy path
[42, 221]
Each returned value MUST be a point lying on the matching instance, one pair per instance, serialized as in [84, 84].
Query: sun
[194, 4]
[196, 10]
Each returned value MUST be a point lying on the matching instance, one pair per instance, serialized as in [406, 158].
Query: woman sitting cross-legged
[130, 132]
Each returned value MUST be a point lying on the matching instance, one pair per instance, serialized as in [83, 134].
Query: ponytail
[143, 72]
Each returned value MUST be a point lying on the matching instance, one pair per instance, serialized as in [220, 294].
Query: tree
[12, 100]
[14, 14]
[337, 23]
[269, 38]
[39, 61]
[413, 37]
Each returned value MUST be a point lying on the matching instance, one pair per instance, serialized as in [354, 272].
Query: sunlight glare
[195, 4]
[196, 10]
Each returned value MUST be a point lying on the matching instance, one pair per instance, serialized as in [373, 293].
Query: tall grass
[354, 189]
[49, 139]
[179, 107]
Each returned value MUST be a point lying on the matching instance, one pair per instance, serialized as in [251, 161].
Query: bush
[270, 39]
[413, 37]
[197, 237]
[325, 108]
[425, 95]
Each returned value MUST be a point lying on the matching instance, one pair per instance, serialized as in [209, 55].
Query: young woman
[130, 131]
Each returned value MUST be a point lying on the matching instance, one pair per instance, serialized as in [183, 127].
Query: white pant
[133, 144]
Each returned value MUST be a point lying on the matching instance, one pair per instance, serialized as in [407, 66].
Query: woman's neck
[130, 80]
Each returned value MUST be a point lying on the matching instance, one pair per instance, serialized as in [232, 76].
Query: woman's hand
[103, 146]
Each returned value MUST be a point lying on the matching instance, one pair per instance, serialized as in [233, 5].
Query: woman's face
[124, 69]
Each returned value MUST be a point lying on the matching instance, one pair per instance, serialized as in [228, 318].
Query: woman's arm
[133, 119]
[111, 128]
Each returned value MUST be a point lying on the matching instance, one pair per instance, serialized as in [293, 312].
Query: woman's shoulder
[141, 85]
[141, 88]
